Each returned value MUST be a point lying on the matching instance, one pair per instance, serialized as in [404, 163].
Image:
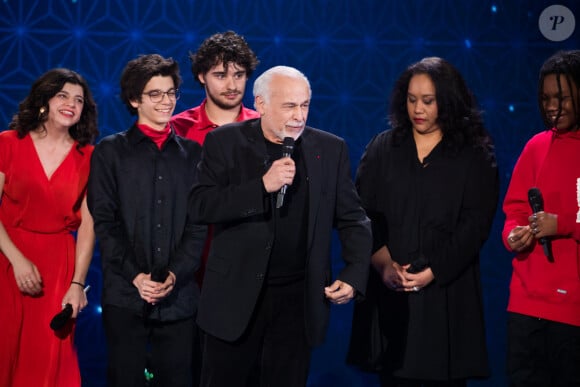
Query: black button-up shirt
[137, 195]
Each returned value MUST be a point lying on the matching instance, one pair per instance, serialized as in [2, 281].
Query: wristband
[78, 283]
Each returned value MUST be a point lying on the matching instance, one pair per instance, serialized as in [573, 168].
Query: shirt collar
[136, 136]
[205, 122]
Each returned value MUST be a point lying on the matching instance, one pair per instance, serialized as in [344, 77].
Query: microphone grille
[534, 193]
[535, 199]
[288, 145]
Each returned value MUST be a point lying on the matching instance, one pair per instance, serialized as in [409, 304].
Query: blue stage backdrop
[352, 52]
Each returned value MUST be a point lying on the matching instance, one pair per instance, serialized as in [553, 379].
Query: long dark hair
[33, 110]
[458, 114]
[566, 66]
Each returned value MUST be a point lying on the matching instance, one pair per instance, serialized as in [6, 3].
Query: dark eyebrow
[422, 95]
[67, 93]
[160, 91]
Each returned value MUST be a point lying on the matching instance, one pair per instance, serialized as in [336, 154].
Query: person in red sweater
[544, 303]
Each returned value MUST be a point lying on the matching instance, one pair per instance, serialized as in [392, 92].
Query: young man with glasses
[137, 193]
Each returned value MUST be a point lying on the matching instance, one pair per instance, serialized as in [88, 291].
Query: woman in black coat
[430, 187]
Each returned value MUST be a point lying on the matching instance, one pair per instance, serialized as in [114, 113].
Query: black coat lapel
[313, 159]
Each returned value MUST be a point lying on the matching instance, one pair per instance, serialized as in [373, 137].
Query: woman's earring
[41, 112]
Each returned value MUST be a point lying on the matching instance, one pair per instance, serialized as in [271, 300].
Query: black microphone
[61, 318]
[287, 149]
[537, 204]
[158, 274]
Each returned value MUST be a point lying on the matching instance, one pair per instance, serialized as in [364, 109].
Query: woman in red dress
[44, 166]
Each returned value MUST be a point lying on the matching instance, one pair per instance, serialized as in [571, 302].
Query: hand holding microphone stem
[281, 173]
[60, 320]
[537, 220]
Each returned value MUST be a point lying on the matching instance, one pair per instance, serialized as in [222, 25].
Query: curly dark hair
[30, 116]
[140, 70]
[224, 47]
[566, 66]
[459, 117]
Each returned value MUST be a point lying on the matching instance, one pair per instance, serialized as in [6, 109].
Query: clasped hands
[397, 278]
[153, 291]
[339, 292]
[541, 224]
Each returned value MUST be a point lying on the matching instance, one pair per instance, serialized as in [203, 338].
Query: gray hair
[262, 83]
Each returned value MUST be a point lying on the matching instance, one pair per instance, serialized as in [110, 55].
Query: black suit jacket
[230, 195]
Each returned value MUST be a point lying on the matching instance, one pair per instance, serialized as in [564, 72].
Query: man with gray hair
[274, 189]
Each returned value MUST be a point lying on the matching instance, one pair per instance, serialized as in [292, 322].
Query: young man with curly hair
[222, 65]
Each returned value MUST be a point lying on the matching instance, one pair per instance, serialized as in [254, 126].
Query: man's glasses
[157, 95]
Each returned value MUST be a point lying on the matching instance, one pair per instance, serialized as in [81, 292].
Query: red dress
[39, 215]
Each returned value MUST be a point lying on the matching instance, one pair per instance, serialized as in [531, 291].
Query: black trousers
[542, 352]
[273, 352]
[134, 343]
